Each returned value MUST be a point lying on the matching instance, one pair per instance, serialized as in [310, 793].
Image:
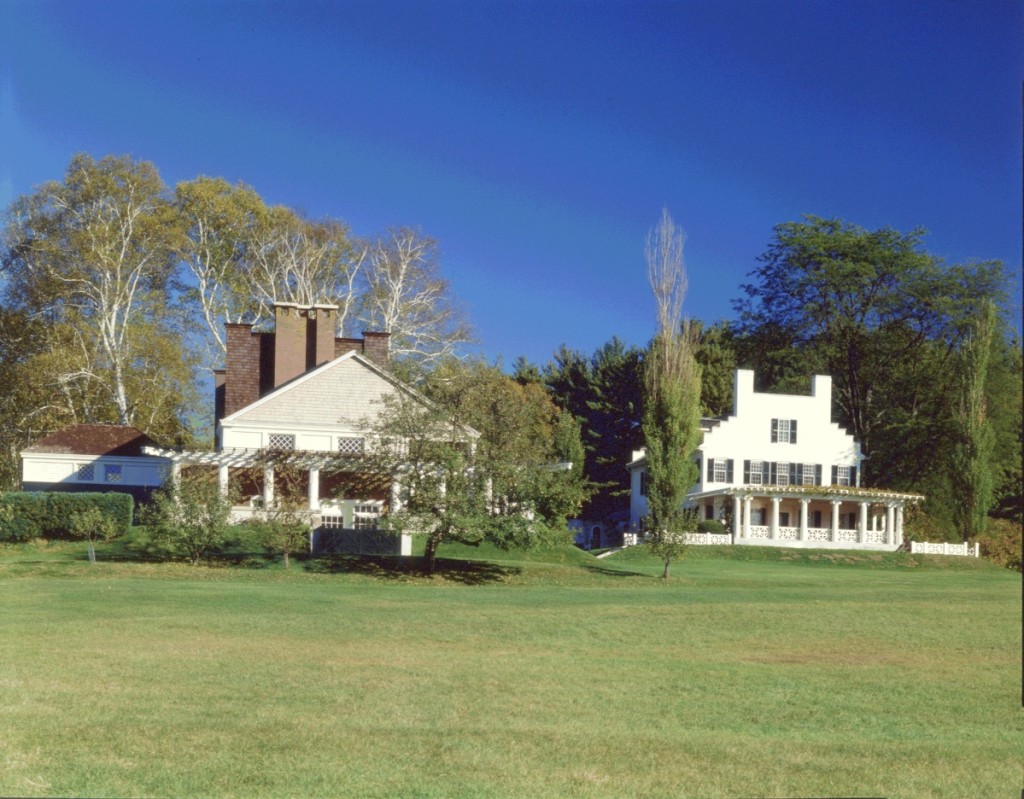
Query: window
[280, 442]
[709, 511]
[842, 475]
[350, 447]
[783, 518]
[332, 522]
[756, 472]
[815, 518]
[719, 470]
[85, 473]
[365, 517]
[807, 477]
[784, 431]
[112, 473]
[782, 474]
[643, 484]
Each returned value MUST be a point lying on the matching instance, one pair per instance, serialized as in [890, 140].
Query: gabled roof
[94, 439]
[349, 357]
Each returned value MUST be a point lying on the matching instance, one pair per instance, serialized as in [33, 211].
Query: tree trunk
[430, 555]
[286, 558]
[92, 552]
[664, 574]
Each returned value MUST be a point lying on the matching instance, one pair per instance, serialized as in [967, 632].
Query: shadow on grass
[393, 567]
[607, 572]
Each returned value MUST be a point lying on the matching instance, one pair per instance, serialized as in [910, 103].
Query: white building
[93, 457]
[778, 471]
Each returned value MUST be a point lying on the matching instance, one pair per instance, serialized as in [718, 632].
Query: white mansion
[779, 472]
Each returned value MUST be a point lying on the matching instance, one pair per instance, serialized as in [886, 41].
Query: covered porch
[344, 505]
[828, 517]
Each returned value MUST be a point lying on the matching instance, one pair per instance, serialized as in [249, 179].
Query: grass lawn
[752, 672]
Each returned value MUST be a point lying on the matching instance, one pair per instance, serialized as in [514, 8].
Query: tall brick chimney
[376, 347]
[290, 344]
[323, 319]
[242, 375]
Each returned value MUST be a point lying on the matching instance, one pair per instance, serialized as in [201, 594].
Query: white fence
[928, 548]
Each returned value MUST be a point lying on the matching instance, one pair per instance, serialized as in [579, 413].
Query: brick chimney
[323, 319]
[376, 347]
[290, 342]
[242, 375]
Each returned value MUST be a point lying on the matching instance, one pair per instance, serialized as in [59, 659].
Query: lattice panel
[280, 442]
[86, 473]
[818, 534]
[350, 447]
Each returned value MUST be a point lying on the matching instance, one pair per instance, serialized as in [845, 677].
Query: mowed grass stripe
[739, 677]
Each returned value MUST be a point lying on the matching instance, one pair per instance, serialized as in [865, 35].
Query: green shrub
[47, 514]
[711, 526]
[1001, 543]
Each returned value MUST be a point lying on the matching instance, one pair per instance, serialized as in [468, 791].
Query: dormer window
[783, 431]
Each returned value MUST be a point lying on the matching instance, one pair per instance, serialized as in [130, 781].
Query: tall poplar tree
[971, 467]
[671, 419]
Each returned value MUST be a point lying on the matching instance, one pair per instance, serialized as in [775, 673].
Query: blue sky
[538, 142]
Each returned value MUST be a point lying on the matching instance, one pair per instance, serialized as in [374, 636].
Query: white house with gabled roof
[303, 398]
[778, 471]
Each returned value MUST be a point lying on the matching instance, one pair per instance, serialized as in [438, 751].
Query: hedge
[711, 526]
[45, 514]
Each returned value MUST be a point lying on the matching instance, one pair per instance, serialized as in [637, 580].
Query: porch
[809, 516]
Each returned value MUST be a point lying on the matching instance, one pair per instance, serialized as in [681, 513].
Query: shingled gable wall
[303, 339]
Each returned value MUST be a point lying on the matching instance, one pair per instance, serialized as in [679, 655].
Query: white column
[746, 517]
[835, 519]
[862, 522]
[175, 475]
[737, 510]
[804, 503]
[314, 488]
[890, 538]
[222, 481]
[773, 531]
[899, 525]
[396, 495]
[268, 487]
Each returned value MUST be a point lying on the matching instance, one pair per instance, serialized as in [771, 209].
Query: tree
[94, 253]
[474, 461]
[293, 259]
[716, 354]
[971, 461]
[284, 526]
[191, 514]
[671, 421]
[604, 395]
[93, 525]
[879, 314]
[406, 296]
[218, 221]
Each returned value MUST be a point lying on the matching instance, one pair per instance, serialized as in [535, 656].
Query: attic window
[281, 443]
[350, 447]
[85, 473]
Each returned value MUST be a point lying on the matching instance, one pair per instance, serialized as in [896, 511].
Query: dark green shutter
[728, 470]
[792, 431]
[775, 430]
[746, 472]
[853, 475]
[711, 470]
[817, 474]
[835, 475]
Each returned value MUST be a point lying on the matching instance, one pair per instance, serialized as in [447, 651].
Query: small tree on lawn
[474, 462]
[192, 515]
[284, 526]
[671, 419]
[93, 525]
